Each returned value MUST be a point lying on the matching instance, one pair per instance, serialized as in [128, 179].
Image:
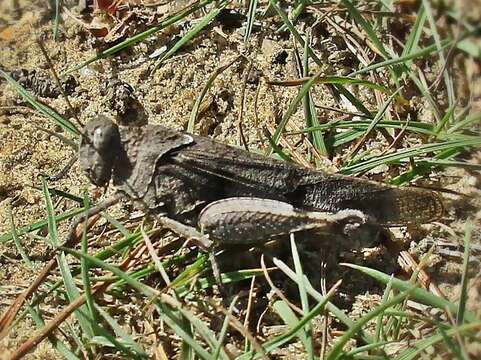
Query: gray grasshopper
[234, 195]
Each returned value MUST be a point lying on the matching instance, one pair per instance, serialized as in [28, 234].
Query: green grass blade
[358, 18]
[307, 331]
[192, 33]
[251, 14]
[140, 37]
[310, 111]
[420, 53]
[411, 152]
[442, 59]
[292, 108]
[57, 344]
[121, 333]
[468, 229]
[16, 240]
[45, 110]
[68, 280]
[338, 313]
[293, 332]
[207, 86]
[380, 114]
[290, 319]
[362, 125]
[447, 116]
[419, 295]
[223, 330]
[412, 43]
[58, 6]
[468, 122]
[301, 5]
[85, 266]
[41, 224]
[418, 347]
[336, 350]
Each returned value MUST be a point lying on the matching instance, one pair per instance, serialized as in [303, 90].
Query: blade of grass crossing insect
[140, 37]
[45, 110]
[251, 15]
[57, 344]
[303, 296]
[468, 229]
[68, 280]
[336, 351]
[85, 266]
[418, 294]
[16, 240]
[192, 33]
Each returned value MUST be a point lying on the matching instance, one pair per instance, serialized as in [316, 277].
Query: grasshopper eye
[100, 139]
[104, 137]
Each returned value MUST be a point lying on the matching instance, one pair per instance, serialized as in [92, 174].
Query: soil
[126, 88]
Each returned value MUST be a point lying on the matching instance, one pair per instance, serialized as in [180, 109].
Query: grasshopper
[235, 196]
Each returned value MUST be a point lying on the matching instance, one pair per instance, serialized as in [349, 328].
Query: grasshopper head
[98, 150]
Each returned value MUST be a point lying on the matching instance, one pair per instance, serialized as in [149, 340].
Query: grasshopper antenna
[62, 173]
[72, 161]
